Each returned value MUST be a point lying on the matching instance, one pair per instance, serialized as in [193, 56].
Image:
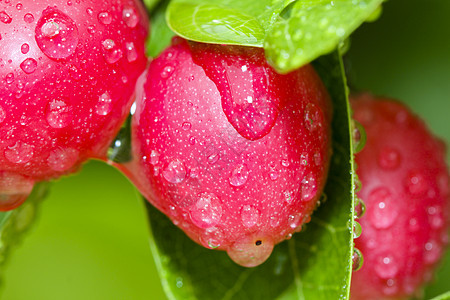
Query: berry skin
[232, 152]
[405, 187]
[67, 76]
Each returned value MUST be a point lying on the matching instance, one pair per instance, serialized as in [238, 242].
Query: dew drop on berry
[111, 52]
[29, 65]
[212, 238]
[24, 48]
[416, 183]
[294, 221]
[250, 251]
[249, 215]
[14, 190]
[175, 171]
[19, 153]
[383, 211]
[309, 187]
[389, 158]
[2, 115]
[5, 18]
[239, 175]
[357, 259]
[192, 140]
[130, 17]
[167, 71]
[56, 34]
[288, 196]
[132, 54]
[62, 159]
[28, 18]
[186, 126]
[58, 114]
[433, 252]
[104, 104]
[312, 117]
[213, 158]
[89, 11]
[273, 175]
[435, 217]
[207, 210]
[304, 159]
[19, 6]
[9, 78]
[154, 157]
[386, 266]
[104, 17]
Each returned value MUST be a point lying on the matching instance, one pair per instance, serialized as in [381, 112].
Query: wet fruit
[405, 187]
[67, 75]
[234, 153]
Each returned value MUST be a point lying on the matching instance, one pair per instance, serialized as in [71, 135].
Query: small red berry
[405, 187]
[67, 76]
[234, 153]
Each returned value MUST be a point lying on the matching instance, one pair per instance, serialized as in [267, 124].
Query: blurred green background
[91, 239]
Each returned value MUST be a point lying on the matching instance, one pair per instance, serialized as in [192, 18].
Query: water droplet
[213, 158]
[434, 215]
[28, 18]
[175, 171]
[56, 34]
[192, 140]
[360, 207]
[386, 266]
[132, 54]
[62, 159]
[167, 71]
[110, 51]
[416, 183]
[104, 17]
[285, 163]
[14, 190]
[312, 117]
[273, 175]
[104, 104]
[389, 158]
[212, 237]
[294, 221]
[304, 159]
[433, 252]
[29, 65]
[309, 187]
[249, 215]
[5, 18]
[251, 251]
[207, 211]
[288, 196]
[130, 17]
[357, 230]
[10, 78]
[19, 6]
[89, 11]
[357, 259]
[91, 29]
[186, 126]
[19, 153]
[382, 212]
[25, 48]
[358, 136]
[239, 175]
[154, 157]
[58, 113]
[317, 159]
[2, 114]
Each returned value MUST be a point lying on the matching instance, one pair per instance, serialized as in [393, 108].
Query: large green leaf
[314, 264]
[14, 223]
[292, 32]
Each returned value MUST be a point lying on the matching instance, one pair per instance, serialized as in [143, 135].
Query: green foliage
[295, 269]
[293, 33]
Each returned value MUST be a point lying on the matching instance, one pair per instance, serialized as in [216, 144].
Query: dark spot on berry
[258, 242]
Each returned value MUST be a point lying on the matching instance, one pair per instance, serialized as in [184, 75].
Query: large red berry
[405, 186]
[234, 153]
[67, 75]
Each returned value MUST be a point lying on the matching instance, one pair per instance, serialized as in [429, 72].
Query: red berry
[234, 153]
[67, 76]
[405, 187]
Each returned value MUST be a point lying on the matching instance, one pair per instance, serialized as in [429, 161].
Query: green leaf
[14, 223]
[161, 34]
[293, 33]
[314, 264]
[445, 296]
[314, 28]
